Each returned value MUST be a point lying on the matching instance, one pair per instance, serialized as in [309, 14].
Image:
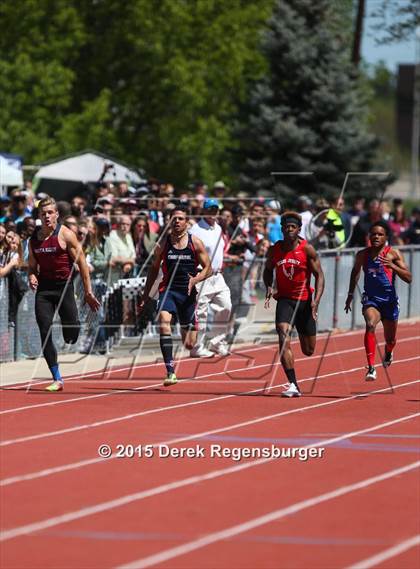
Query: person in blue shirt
[274, 231]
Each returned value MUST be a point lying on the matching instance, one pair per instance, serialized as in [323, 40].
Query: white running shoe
[221, 349]
[201, 352]
[371, 374]
[291, 391]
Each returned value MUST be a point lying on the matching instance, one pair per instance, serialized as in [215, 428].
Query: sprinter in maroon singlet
[52, 251]
[294, 262]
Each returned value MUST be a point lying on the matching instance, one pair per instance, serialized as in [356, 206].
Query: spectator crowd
[119, 225]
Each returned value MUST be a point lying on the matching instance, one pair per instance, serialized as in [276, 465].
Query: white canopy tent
[9, 176]
[62, 178]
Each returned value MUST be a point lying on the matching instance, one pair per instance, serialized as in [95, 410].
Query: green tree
[155, 83]
[176, 71]
[310, 113]
[38, 43]
[396, 20]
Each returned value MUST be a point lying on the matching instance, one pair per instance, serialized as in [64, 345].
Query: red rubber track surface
[62, 506]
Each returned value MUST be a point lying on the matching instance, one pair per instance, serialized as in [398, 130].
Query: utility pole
[415, 187]
[358, 33]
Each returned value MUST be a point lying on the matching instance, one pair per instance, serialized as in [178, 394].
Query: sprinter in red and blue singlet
[294, 261]
[381, 264]
[52, 251]
[179, 257]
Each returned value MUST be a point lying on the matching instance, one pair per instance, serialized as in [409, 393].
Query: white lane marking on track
[195, 436]
[387, 553]
[171, 407]
[200, 377]
[274, 516]
[270, 346]
[124, 500]
[127, 368]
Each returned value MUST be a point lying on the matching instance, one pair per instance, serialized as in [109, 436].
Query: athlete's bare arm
[204, 260]
[354, 278]
[268, 277]
[395, 261]
[76, 253]
[318, 273]
[152, 274]
[32, 269]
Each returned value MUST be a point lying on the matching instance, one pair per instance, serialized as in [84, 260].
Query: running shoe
[55, 386]
[291, 391]
[221, 349]
[371, 374]
[387, 361]
[201, 352]
[171, 379]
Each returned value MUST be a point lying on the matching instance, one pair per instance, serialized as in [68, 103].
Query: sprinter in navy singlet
[381, 264]
[52, 251]
[179, 258]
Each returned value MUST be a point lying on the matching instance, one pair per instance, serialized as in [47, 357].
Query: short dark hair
[180, 208]
[382, 224]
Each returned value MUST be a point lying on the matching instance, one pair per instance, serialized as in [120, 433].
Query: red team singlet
[293, 274]
[54, 262]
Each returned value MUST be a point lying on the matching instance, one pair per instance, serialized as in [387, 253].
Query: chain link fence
[101, 329]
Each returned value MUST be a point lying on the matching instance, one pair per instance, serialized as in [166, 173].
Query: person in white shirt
[213, 292]
[304, 208]
[123, 253]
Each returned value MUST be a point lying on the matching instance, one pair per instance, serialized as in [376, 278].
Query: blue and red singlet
[379, 287]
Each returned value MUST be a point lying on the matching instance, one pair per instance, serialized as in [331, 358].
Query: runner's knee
[370, 326]
[284, 337]
[308, 350]
[71, 333]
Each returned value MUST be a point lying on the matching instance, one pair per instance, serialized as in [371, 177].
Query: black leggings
[48, 298]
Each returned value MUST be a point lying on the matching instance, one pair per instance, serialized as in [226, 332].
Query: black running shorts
[303, 319]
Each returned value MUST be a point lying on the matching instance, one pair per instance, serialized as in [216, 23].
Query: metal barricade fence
[106, 326]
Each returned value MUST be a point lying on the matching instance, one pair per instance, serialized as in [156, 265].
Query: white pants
[214, 293]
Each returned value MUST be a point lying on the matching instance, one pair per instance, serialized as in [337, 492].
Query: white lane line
[200, 377]
[128, 499]
[168, 408]
[195, 436]
[260, 347]
[137, 366]
[112, 370]
[254, 523]
[387, 553]
[106, 371]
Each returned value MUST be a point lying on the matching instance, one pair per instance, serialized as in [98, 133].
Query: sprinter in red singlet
[52, 251]
[294, 262]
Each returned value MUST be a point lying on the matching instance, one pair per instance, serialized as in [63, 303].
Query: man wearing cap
[294, 261]
[213, 292]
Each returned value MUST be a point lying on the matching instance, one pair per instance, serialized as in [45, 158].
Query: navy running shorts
[180, 304]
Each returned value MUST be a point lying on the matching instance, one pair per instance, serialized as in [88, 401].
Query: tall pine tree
[309, 114]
